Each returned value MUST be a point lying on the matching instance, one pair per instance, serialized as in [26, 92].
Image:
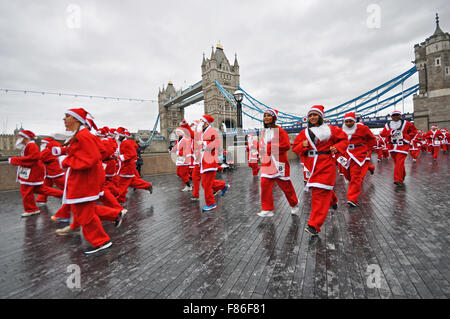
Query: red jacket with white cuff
[399, 135]
[209, 156]
[273, 146]
[52, 167]
[128, 156]
[31, 170]
[361, 140]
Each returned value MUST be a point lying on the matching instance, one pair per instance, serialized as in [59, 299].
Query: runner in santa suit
[84, 178]
[385, 148]
[361, 140]
[399, 133]
[445, 142]
[379, 148]
[196, 147]
[414, 150]
[274, 144]
[436, 137]
[316, 144]
[129, 177]
[252, 149]
[182, 151]
[54, 175]
[109, 160]
[31, 173]
[209, 162]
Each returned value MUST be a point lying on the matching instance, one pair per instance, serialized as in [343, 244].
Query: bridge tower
[218, 68]
[170, 116]
[432, 59]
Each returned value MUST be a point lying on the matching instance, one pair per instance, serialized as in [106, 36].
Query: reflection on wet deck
[393, 245]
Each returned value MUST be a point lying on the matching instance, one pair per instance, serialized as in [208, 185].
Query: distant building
[432, 59]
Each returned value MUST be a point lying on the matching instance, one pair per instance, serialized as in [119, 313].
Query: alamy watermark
[74, 279]
[373, 273]
[374, 19]
[73, 20]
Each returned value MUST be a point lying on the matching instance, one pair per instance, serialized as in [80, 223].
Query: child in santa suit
[54, 175]
[129, 177]
[361, 141]
[182, 151]
[210, 142]
[315, 145]
[436, 137]
[197, 148]
[252, 149]
[273, 146]
[399, 133]
[379, 148]
[414, 150]
[31, 173]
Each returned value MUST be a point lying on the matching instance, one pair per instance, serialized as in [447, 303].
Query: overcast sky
[292, 54]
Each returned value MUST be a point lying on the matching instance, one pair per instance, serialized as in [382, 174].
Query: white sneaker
[186, 189]
[265, 213]
[295, 210]
[31, 213]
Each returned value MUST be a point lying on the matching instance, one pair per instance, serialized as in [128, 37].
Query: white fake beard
[349, 130]
[322, 133]
[395, 125]
[19, 144]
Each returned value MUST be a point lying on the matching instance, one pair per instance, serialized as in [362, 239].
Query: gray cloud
[292, 54]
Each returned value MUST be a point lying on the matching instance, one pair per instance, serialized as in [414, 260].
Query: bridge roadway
[168, 248]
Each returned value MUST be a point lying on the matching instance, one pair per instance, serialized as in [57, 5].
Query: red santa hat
[80, 114]
[207, 118]
[350, 116]
[47, 140]
[121, 131]
[91, 124]
[103, 132]
[434, 126]
[319, 109]
[27, 134]
[396, 112]
[272, 112]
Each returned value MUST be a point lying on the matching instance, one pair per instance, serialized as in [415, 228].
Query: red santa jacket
[361, 140]
[108, 156]
[273, 146]
[52, 168]
[196, 148]
[31, 170]
[415, 143]
[183, 151]
[317, 157]
[252, 149]
[85, 175]
[128, 157]
[209, 156]
[399, 135]
[435, 137]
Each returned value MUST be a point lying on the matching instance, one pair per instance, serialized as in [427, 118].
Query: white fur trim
[319, 185]
[204, 119]
[122, 158]
[75, 115]
[55, 176]
[30, 183]
[127, 176]
[25, 135]
[81, 200]
[208, 170]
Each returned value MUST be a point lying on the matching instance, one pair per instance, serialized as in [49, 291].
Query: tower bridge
[220, 79]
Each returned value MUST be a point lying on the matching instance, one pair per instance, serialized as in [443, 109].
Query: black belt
[352, 146]
[312, 153]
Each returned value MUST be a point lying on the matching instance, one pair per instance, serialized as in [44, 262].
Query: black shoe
[397, 183]
[335, 207]
[120, 218]
[310, 229]
[99, 248]
[195, 198]
[150, 189]
[351, 204]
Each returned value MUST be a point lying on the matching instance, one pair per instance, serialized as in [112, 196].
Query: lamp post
[238, 97]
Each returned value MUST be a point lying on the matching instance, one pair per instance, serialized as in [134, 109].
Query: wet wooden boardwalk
[395, 244]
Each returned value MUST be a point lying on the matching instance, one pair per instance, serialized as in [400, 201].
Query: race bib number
[24, 172]
[342, 160]
[180, 160]
[396, 135]
[281, 168]
[437, 142]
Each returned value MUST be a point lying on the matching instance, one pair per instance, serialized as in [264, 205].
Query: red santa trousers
[399, 170]
[134, 182]
[435, 150]
[444, 147]
[27, 192]
[58, 181]
[355, 174]
[386, 153]
[84, 214]
[196, 177]
[267, 192]
[112, 183]
[109, 200]
[184, 173]
[321, 200]
[210, 186]
[255, 168]
[103, 212]
[380, 154]
[414, 153]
